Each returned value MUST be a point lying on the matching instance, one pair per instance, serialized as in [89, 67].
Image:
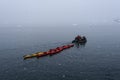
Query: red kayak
[56, 50]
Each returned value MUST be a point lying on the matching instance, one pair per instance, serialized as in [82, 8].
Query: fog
[50, 12]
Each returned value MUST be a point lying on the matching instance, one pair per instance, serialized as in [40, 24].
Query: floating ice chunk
[74, 24]
[24, 68]
[63, 76]
[59, 64]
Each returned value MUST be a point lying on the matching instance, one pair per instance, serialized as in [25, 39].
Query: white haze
[50, 12]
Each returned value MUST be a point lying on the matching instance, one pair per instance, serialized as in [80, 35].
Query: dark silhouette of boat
[80, 41]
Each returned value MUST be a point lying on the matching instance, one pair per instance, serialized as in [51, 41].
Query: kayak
[56, 50]
[32, 55]
[49, 52]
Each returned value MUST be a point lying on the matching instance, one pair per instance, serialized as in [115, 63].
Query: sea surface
[98, 59]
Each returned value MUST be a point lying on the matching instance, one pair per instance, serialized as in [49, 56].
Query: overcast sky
[58, 11]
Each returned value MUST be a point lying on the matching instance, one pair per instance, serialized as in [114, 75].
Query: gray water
[99, 59]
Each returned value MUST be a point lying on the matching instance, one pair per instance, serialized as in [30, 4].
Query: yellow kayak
[32, 55]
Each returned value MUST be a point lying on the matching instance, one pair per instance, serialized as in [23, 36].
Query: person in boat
[78, 38]
[83, 39]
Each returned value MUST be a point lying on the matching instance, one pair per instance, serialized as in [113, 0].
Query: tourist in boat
[83, 39]
[78, 38]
